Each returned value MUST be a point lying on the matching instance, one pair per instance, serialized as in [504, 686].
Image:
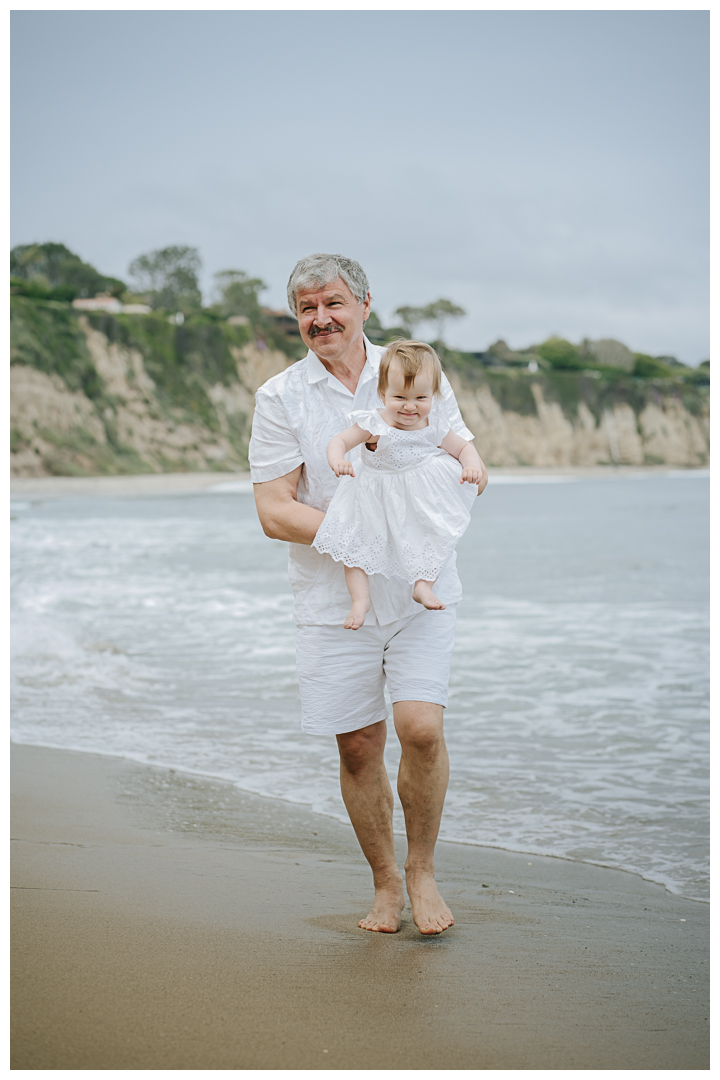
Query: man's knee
[359, 749]
[419, 726]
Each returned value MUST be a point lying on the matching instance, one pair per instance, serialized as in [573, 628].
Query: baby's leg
[359, 589]
[424, 595]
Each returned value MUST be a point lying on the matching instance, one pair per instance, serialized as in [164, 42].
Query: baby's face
[408, 407]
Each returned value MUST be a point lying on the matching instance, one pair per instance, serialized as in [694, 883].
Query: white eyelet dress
[404, 511]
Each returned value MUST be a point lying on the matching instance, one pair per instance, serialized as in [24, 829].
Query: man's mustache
[323, 329]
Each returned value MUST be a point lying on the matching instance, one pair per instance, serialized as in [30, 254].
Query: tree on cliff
[410, 317]
[168, 278]
[237, 294]
[53, 266]
[438, 312]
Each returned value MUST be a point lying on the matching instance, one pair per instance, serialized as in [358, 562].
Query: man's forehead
[333, 288]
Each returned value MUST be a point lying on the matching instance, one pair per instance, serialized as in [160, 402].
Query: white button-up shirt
[296, 414]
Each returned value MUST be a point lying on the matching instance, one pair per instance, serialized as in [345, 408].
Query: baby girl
[404, 510]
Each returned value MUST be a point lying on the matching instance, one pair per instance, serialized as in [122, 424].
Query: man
[342, 673]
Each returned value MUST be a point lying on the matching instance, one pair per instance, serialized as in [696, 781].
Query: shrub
[699, 376]
[35, 291]
[648, 367]
[562, 354]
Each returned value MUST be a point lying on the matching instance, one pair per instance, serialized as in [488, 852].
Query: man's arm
[281, 515]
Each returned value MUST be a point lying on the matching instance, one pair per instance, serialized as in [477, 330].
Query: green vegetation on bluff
[182, 360]
[46, 335]
[598, 387]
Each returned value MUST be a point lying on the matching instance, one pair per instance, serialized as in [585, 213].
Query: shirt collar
[316, 370]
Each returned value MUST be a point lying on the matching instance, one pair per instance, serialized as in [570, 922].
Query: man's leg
[422, 784]
[368, 797]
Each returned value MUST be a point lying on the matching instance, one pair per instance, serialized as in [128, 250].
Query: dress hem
[432, 575]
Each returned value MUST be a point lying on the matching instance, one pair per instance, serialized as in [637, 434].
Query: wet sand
[165, 921]
[197, 482]
[190, 483]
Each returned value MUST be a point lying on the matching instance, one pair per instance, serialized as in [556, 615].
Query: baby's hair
[412, 357]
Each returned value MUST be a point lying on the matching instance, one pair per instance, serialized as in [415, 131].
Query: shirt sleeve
[439, 426]
[274, 449]
[448, 409]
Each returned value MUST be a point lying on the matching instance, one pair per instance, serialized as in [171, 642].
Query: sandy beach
[167, 921]
[187, 483]
[196, 482]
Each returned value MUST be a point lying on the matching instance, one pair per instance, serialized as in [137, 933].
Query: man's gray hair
[315, 271]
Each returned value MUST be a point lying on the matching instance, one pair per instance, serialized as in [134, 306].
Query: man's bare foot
[430, 913]
[356, 616]
[386, 911]
[423, 594]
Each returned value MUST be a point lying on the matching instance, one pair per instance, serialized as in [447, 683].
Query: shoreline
[168, 920]
[239, 482]
[234, 785]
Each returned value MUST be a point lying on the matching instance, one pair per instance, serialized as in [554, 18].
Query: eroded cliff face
[57, 431]
[126, 422]
[663, 431]
[43, 414]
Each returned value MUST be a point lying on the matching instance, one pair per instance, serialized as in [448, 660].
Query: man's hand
[342, 467]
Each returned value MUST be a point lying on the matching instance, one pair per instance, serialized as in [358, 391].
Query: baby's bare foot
[423, 594]
[384, 917]
[430, 913]
[356, 616]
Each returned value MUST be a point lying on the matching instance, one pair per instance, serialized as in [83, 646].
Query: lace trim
[355, 546]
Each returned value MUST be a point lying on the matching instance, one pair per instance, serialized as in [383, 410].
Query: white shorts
[342, 673]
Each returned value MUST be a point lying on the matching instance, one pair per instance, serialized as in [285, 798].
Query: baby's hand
[341, 467]
[471, 475]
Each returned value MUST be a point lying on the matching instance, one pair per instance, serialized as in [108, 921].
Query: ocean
[160, 629]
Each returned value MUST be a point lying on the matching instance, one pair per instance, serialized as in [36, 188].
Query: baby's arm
[339, 446]
[473, 468]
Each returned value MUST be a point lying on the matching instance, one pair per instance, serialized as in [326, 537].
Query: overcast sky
[547, 170]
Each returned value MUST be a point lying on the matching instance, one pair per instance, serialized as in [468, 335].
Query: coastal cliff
[97, 393]
[573, 418]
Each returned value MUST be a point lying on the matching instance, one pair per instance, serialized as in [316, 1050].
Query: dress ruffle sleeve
[369, 420]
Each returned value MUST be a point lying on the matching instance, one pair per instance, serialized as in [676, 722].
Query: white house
[98, 303]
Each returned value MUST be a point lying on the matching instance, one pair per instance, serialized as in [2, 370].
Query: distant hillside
[96, 393]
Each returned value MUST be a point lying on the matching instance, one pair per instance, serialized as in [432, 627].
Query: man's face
[331, 319]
